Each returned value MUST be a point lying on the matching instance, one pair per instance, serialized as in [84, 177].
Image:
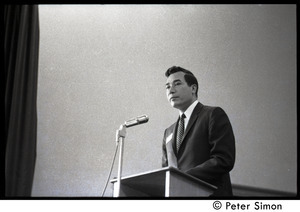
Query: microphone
[135, 121]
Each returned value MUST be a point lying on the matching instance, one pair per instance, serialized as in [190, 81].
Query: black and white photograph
[151, 101]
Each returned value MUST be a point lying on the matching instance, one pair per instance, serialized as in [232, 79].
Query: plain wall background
[100, 65]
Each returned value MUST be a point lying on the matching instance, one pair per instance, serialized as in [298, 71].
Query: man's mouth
[173, 98]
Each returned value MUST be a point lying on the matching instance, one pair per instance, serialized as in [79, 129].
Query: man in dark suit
[201, 143]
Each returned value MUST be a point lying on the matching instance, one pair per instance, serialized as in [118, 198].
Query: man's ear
[194, 88]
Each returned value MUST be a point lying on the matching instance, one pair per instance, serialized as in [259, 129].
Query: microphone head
[142, 119]
[138, 120]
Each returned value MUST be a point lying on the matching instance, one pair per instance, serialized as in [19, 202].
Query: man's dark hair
[189, 76]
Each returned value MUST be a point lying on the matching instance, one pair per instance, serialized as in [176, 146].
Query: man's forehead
[178, 76]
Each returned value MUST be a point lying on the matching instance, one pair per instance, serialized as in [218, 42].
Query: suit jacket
[207, 150]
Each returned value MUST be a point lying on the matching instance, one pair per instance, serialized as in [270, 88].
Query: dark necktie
[180, 131]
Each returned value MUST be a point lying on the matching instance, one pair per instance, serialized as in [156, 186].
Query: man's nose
[172, 90]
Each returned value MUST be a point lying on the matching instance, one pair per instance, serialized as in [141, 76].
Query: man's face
[179, 94]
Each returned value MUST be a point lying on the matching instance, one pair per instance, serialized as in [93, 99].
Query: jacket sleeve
[222, 148]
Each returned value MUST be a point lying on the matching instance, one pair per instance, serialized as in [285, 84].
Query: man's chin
[174, 105]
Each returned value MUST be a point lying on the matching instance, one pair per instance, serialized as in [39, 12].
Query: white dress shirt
[188, 113]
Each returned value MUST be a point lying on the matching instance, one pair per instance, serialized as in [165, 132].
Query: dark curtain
[21, 50]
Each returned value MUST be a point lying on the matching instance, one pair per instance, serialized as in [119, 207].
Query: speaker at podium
[165, 182]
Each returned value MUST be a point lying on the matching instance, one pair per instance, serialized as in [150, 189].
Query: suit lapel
[174, 136]
[192, 120]
[171, 148]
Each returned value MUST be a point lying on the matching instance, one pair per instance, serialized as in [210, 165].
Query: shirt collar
[190, 110]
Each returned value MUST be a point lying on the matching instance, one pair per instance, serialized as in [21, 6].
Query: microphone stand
[120, 137]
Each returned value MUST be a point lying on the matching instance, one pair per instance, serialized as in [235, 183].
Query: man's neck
[192, 105]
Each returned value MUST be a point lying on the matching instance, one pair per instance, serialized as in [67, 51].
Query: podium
[165, 182]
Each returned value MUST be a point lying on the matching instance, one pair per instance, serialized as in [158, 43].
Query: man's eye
[177, 83]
